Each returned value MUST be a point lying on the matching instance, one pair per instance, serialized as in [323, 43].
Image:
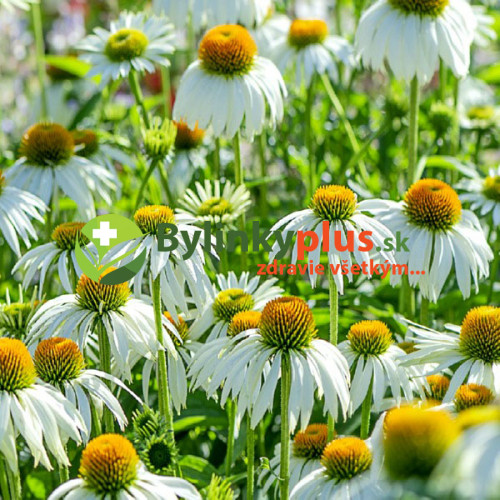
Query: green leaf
[69, 64]
[490, 74]
[197, 470]
[85, 110]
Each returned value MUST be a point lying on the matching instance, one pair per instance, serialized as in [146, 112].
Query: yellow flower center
[99, 297]
[88, 142]
[304, 32]
[334, 203]
[438, 386]
[370, 337]
[478, 415]
[149, 218]
[433, 205]
[346, 457]
[66, 234]
[126, 44]
[311, 442]
[491, 188]
[469, 395]
[227, 50]
[230, 302]
[480, 334]
[483, 113]
[47, 145]
[159, 139]
[424, 8]
[109, 464]
[242, 321]
[58, 359]
[415, 440]
[180, 325]
[188, 138]
[287, 323]
[216, 207]
[17, 370]
[407, 346]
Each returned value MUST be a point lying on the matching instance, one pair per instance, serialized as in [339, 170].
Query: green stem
[63, 474]
[239, 181]
[413, 131]
[166, 90]
[14, 481]
[4, 482]
[261, 144]
[424, 311]
[334, 333]
[477, 149]
[144, 183]
[217, 170]
[366, 412]
[161, 370]
[36, 16]
[309, 138]
[339, 109]
[338, 17]
[285, 426]
[105, 366]
[96, 422]
[250, 459]
[231, 417]
[494, 267]
[139, 99]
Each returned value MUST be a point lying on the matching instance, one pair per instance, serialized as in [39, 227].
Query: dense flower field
[249, 249]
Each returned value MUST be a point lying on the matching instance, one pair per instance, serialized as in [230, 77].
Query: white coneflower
[413, 35]
[17, 208]
[215, 203]
[473, 348]
[48, 163]
[477, 109]
[33, 409]
[60, 252]
[110, 468]
[133, 42]
[439, 233]
[485, 32]
[229, 87]
[306, 49]
[231, 296]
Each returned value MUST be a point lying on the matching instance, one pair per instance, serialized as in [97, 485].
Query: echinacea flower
[129, 322]
[17, 208]
[215, 203]
[473, 348]
[439, 233]
[60, 363]
[110, 468]
[477, 109]
[41, 261]
[437, 387]
[374, 361]
[485, 32]
[336, 208]
[231, 296]
[306, 49]
[33, 409]
[133, 42]
[15, 316]
[470, 395]
[413, 35]
[48, 164]
[249, 365]
[229, 87]
[483, 194]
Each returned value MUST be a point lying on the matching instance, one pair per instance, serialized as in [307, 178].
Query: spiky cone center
[149, 218]
[147, 423]
[159, 140]
[58, 360]
[47, 145]
[219, 489]
[415, 440]
[86, 142]
[109, 464]
[442, 118]
[181, 327]
[438, 387]
[188, 138]
[480, 334]
[66, 234]
[287, 323]
[243, 321]
[157, 455]
[230, 302]
[370, 338]
[126, 44]
[334, 203]
[481, 113]
[99, 297]
[14, 317]
[433, 205]
[17, 370]
[422, 8]
[215, 207]
[227, 50]
[491, 188]
[311, 442]
[304, 32]
[345, 458]
[469, 395]
[478, 415]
